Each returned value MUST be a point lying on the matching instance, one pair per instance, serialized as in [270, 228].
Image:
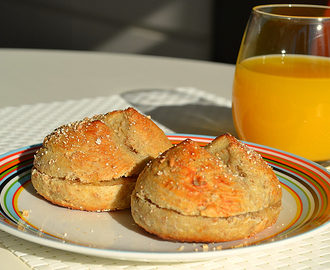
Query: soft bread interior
[171, 225]
[102, 196]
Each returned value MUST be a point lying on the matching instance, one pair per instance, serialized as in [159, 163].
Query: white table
[34, 76]
[35, 84]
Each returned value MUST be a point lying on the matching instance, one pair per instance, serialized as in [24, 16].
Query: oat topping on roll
[93, 164]
[221, 192]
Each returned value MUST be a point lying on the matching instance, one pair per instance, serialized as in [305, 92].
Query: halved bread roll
[222, 192]
[93, 164]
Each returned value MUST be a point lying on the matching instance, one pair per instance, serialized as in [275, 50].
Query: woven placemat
[310, 253]
[29, 124]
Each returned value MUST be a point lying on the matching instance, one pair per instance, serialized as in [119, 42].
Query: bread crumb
[238, 246]
[171, 162]
[180, 248]
[205, 247]
[25, 213]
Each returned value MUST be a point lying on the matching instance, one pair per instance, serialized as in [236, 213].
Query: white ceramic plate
[25, 214]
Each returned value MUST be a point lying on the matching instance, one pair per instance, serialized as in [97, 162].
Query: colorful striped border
[15, 169]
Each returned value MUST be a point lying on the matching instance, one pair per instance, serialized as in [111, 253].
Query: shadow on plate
[125, 219]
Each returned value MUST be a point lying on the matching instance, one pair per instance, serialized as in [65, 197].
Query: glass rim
[261, 10]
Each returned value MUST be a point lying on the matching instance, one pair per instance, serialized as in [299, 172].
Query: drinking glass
[281, 89]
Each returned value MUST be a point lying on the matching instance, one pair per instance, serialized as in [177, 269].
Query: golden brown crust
[102, 148]
[191, 181]
[190, 184]
[248, 164]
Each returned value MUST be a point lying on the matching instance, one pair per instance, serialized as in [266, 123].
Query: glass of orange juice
[281, 89]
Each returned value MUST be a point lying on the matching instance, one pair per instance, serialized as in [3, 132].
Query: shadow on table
[183, 112]
[195, 119]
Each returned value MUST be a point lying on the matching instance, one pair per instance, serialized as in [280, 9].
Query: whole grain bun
[222, 192]
[93, 164]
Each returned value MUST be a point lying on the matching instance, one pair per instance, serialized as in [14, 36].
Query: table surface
[35, 76]
[42, 89]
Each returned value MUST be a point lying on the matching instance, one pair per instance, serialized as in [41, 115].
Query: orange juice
[283, 101]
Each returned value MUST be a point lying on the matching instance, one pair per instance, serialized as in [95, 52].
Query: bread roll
[93, 164]
[222, 192]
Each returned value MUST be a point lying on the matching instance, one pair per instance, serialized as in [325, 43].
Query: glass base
[325, 164]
